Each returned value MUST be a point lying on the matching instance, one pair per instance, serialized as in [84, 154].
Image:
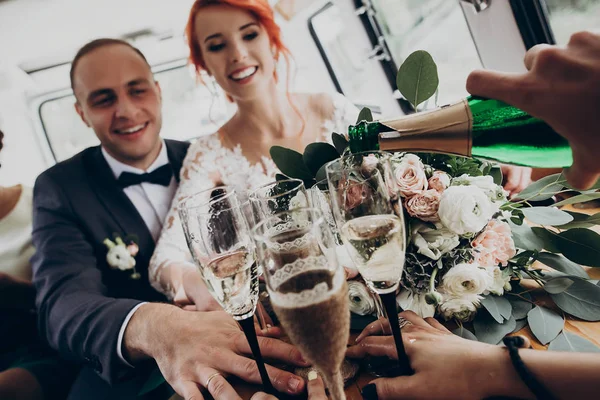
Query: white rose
[415, 302]
[486, 183]
[465, 210]
[412, 159]
[433, 243]
[361, 301]
[499, 281]
[369, 163]
[465, 279]
[462, 308]
[119, 257]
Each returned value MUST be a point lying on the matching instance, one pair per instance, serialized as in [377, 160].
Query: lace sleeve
[171, 249]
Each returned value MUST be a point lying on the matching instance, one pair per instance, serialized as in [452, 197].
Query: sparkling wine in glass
[278, 196]
[218, 236]
[307, 288]
[367, 211]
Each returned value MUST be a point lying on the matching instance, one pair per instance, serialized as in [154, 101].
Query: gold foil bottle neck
[443, 130]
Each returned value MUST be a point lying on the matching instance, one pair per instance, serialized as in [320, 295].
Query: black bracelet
[513, 343]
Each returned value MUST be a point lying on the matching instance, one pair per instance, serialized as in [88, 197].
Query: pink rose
[439, 181]
[494, 245]
[424, 205]
[410, 178]
[354, 194]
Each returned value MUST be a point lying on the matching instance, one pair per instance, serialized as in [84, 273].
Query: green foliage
[488, 330]
[543, 189]
[580, 245]
[545, 324]
[365, 115]
[558, 284]
[568, 341]
[499, 307]
[562, 264]
[316, 155]
[578, 199]
[340, 142]
[547, 216]
[581, 299]
[417, 78]
[581, 220]
[291, 164]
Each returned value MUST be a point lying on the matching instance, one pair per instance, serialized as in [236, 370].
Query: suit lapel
[116, 202]
[176, 152]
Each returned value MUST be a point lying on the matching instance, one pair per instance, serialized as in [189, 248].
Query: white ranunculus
[415, 302]
[433, 243]
[462, 308]
[464, 279]
[361, 300]
[486, 183]
[119, 257]
[465, 210]
[499, 280]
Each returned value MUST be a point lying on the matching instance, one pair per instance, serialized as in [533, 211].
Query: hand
[190, 347]
[515, 178]
[562, 87]
[192, 292]
[443, 363]
[316, 389]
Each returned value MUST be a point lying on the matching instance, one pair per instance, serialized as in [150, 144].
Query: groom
[97, 217]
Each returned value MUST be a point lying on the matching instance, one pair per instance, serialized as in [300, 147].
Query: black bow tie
[160, 176]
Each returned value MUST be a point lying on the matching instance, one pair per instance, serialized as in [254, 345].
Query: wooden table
[588, 330]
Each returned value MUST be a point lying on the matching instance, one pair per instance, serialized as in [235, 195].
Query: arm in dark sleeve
[75, 315]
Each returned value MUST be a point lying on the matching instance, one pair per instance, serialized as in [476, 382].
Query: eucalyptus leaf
[581, 299]
[521, 323]
[525, 238]
[581, 246]
[558, 285]
[321, 175]
[496, 173]
[547, 216]
[580, 198]
[562, 264]
[568, 341]
[417, 77]
[489, 331]
[290, 163]
[543, 189]
[581, 221]
[365, 115]
[498, 307]
[318, 154]
[340, 142]
[545, 324]
[549, 238]
[464, 333]
[520, 308]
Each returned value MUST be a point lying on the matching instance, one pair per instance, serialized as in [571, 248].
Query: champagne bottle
[473, 127]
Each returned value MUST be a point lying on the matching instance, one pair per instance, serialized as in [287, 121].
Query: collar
[118, 167]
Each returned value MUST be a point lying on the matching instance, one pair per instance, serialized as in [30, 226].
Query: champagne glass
[277, 196]
[218, 236]
[307, 288]
[370, 220]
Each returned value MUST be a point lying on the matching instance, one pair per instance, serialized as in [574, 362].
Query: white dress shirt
[152, 202]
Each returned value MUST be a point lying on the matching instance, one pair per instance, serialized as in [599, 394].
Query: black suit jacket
[81, 301]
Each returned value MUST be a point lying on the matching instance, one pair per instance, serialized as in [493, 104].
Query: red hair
[262, 11]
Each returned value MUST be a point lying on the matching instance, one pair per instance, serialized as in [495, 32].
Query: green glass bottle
[473, 127]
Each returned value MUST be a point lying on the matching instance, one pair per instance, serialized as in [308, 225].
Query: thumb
[583, 173]
[390, 388]
[509, 88]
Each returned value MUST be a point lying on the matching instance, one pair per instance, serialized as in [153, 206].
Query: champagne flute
[307, 288]
[218, 236]
[278, 196]
[364, 199]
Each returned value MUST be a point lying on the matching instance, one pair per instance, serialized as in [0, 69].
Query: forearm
[147, 331]
[566, 375]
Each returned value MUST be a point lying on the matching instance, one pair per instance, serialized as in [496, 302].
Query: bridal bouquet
[470, 247]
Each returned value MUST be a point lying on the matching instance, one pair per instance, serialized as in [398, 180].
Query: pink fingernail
[294, 384]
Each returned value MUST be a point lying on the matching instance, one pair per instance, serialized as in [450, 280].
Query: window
[569, 16]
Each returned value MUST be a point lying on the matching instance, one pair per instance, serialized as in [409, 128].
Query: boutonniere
[122, 256]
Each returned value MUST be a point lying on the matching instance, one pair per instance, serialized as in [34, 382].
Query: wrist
[497, 375]
[146, 332]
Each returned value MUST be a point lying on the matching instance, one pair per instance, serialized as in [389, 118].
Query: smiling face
[118, 98]
[236, 50]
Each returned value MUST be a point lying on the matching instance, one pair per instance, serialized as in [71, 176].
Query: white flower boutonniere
[121, 256]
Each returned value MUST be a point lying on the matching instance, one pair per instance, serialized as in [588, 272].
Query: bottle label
[443, 130]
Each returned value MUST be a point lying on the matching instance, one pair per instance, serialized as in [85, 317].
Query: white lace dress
[209, 163]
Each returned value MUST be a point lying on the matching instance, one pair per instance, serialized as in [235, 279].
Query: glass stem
[389, 301]
[248, 327]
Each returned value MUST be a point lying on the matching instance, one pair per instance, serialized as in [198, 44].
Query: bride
[239, 44]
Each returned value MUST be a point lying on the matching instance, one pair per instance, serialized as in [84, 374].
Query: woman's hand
[315, 386]
[515, 178]
[443, 363]
[192, 293]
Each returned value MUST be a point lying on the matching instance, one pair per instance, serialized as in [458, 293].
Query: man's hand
[315, 386]
[562, 87]
[190, 347]
[443, 363]
[515, 178]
